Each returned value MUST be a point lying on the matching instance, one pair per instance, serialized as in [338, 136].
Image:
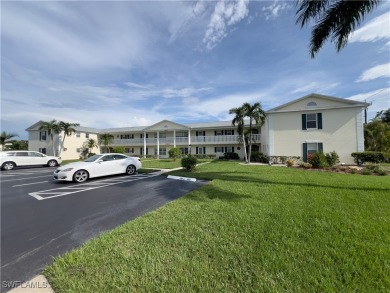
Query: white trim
[144, 144]
[312, 141]
[359, 131]
[174, 138]
[271, 136]
[158, 144]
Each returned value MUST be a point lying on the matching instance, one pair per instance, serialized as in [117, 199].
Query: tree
[18, 145]
[4, 137]
[384, 116]
[336, 19]
[90, 144]
[106, 139]
[255, 114]
[68, 129]
[52, 127]
[239, 120]
[377, 136]
[174, 153]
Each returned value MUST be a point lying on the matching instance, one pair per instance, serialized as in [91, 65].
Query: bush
[353, 171]
[332, 158]
[119, 149]
[259, 157]
[317, 160]
[290, 163]
[189, 163]
[91, 154]
[231, 156]
[174, 153]
[366, 171]
[382, 172]
[307, 165]
[283, 159]
[372, 157]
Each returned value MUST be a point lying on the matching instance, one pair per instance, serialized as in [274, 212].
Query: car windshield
[93, 158]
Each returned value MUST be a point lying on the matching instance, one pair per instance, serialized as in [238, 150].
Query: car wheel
[8, 166]
[52, 163]
[80, 176]
[130, 170]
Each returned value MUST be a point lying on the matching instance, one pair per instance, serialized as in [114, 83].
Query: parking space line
[61, 191]
[24, 178]
[29, 183]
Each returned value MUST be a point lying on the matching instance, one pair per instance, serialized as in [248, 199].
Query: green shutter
[304, 122]
[319, 119]
[204, 150]
[305, 152]
[320, 147]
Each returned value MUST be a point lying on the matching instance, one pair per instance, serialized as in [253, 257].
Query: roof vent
[311, 104]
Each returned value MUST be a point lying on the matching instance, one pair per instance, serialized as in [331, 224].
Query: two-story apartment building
[298, 128]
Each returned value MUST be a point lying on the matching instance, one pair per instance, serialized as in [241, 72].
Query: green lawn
[251, 229]
[165, 163]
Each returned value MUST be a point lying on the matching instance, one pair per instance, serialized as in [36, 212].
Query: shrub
[174, 153]
[353, 171]
[283, 159]
[259, 157]
[332, 158]
[307, 165]
[318, 160]
[372, 157]
[231, 156]
[189, 163]
[290, 163]
[382, 172]
[91, 154]
[119, 149]
[366, 171]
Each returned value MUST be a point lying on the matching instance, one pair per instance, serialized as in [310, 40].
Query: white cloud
[315, 87]
[374, 30]
[275, 9]
[225, 14]
[379, 100]
[378, 71]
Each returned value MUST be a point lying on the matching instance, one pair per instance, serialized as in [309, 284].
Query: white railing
[217, 139]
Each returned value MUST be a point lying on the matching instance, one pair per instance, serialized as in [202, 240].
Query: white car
[11, 159]
[96, 166]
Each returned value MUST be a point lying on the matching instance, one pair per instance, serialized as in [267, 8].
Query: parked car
[97, 166]
[11, 159]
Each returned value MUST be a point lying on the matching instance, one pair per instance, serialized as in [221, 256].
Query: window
[311, 104]
[142, 151]
[229, 132]
[218, 149]
[87, 135]
[42, 150]
[229, 149]
[218, 132]
[200, 150]
[162, 151]
[161, 135]
[42, 135]
[79, 150]
[311, 148]
[21, 154]
[127, 136]
[201, 133]
[35, 154]
[129, 150]
[312, 121]
[184, 151]
[181, 134]
[119, 157]
[77, 134]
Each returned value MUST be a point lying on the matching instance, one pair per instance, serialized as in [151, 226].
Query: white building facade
[296, 129]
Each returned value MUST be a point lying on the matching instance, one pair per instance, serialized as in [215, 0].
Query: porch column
[144, 144]
[174, 138]
[189, 141]
[158, 144]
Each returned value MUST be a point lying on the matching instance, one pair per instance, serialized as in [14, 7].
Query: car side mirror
[99, 161]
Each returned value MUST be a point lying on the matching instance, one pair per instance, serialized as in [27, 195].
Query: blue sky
[132, 63]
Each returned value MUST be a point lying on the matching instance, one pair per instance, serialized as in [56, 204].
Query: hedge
[372, 157]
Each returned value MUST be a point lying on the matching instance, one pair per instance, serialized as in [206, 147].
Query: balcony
[183, 141]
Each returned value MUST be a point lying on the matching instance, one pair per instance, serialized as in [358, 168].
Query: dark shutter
[215, 149]
[196, 150]
[215, 132]
[304, 122]
[233, 132]
[204, 150]
[319, 118]
[320, 147]
[232, 149]
[305, 152]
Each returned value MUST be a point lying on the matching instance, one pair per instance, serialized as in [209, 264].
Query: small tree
[119, 149]
[189, 163]
[4, 137]
[106, 139]
[174, 153]
[90, 144]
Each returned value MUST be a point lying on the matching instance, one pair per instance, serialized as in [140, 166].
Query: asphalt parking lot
[42, 218]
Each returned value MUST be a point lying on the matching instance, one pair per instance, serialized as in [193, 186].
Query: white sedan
[96, 166]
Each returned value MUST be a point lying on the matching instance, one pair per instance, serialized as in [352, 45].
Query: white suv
[11, 159]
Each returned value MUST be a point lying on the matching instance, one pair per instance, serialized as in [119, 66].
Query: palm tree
[52, 127]
[68, 129]
[334, 18]
[106, 139]
[4, 136]
[255, 114]
[239, 120]
[90, 144]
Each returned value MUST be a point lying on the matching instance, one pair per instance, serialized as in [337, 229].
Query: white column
[174, 138]
[189, 141]
[144, 144]
[158, 144]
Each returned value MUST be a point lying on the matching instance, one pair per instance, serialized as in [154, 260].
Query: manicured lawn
[252, 229]
[165, 163]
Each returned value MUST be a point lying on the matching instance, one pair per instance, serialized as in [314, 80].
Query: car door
[105, 166]
[21, 159]
[36, 158]
[120, 164]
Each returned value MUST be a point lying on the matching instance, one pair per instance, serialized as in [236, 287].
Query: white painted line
[40, 195]
[30, 183]
[181, 178]
[25, 178]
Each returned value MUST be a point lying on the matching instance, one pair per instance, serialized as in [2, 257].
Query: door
[106, 165]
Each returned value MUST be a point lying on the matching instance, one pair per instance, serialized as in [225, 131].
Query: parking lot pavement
[41, 218]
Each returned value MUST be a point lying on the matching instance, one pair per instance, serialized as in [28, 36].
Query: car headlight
[67, 170]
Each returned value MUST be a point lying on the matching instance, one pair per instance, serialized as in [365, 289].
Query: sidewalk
[38, 284]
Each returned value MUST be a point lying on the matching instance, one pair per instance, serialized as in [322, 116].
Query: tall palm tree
[52, 127]
[334, 18]
[4, 136]
[90, 144]
[68, 129]
[106, 139]
[239, 120]
[255, 114]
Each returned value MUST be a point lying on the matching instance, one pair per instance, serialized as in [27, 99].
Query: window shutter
[215, 149]
[305, 152]
[196, 150]
[204, 150]
[232, 149]
[225, 149]
[319, 118]
[233, 132]
[215, 132]
[304, 122]
[320, 147]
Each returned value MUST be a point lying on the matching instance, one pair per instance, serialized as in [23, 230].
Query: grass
[251, 229]
[165, 163]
